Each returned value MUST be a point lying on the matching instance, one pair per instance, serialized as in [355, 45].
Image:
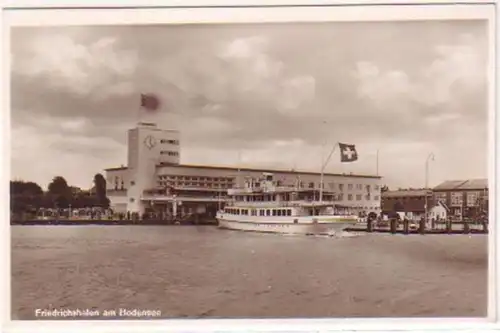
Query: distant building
[408, 201]
[155, 180]
[465, 198]
[439, 211]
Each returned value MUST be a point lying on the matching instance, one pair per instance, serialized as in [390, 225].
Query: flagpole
[139, 110]
[377, 161]
[323, 169]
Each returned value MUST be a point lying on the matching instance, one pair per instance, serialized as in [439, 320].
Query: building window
[349, 187]
[457, 198]
[332, 185]
[367, 197]
[169, 153]
[368, 188]
[172, 142]
[440, 197]
[349, 197]
[359, 186]
[376, 187]
[376, 197]
[341, 187]
[340, 197]
[472, 199]
[358, 197]
[311, 184]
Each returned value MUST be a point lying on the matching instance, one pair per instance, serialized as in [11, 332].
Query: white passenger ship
[262, 205]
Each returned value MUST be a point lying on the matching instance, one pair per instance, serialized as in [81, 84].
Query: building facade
[154, 179]
[464, 198]
[411, 202]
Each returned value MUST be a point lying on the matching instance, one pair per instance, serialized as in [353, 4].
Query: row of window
[259, 212]
[210, 179]
[169, 153]
[341, 187]
[171, 142]
[195, 184]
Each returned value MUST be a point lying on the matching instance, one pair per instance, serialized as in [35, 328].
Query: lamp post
[430, 157]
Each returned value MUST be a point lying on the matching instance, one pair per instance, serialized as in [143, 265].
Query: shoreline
[363, 229]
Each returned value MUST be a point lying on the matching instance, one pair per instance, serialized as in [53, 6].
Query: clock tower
[148, 147]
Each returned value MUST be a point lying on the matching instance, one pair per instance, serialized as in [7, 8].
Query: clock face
[150, 142]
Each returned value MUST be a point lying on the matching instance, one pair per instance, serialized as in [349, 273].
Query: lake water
[196, 272]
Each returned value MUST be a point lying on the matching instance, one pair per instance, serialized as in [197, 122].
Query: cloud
[274, 92]
[80, 69]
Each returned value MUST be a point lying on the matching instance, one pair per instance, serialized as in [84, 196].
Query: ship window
[261, 212]
[274, 212]
[268, 212]
[279, 212]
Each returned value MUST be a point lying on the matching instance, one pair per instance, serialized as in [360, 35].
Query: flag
[150, 102]
[348, 152]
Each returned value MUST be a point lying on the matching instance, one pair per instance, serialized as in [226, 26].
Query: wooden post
[485, 226]
[466, 227]
[393, 225]
[421, 227]
[448, 226]
[406, 226]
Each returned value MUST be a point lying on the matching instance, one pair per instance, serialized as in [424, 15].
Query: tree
[61, 192]
[100, 190]
[25, 196]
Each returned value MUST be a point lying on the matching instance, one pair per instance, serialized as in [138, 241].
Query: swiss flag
[348, 152]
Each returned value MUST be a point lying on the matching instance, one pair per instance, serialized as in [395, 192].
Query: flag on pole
[150, 102]
[348, 152]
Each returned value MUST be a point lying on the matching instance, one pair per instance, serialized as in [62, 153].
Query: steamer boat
[262, 205]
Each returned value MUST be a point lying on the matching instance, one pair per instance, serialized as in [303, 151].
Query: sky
[255, 95]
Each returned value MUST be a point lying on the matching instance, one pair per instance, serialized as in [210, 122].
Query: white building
[439, 211]
[154, 168]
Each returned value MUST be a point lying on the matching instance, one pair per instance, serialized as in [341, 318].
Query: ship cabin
[267, 197]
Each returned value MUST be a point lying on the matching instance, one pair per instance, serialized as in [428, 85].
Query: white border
[246, 15]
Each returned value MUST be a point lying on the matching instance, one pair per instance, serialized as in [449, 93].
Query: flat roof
[407, 193]
[231, 168]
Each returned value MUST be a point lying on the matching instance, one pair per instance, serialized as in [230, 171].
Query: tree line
[26, 196]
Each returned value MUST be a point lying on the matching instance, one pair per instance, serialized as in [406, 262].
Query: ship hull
[286, 228]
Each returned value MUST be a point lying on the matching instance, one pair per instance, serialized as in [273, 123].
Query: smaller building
[439, 212]
[411, 202]
[465, 198]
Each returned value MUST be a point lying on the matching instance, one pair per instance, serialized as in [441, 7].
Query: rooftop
[469, 184]
[231, 168]
[407, 193]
